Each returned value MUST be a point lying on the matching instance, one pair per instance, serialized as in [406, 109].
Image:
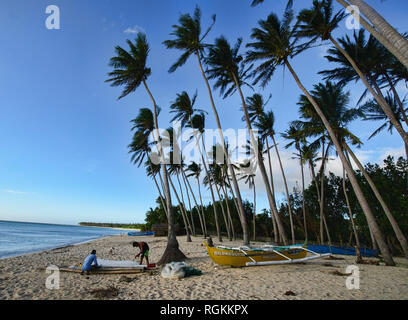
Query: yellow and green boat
[266, 255]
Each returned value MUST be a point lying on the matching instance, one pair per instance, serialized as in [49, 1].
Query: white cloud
[135, 29]
[15, 192]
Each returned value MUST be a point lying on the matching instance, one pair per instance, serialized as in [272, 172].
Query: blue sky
[64, 135]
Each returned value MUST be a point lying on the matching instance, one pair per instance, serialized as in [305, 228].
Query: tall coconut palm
[294, 134]
[265, 124]
[275, 43]
[226, 67]
[140, 148]
[357, 62]
[248, 175]
[189, 39]
[256, 106]
[130, 70]
[353, 225]
[373, 112]
[388, 37]
[184, 110]
[195, 171]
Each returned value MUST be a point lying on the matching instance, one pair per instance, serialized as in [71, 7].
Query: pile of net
[178, 270]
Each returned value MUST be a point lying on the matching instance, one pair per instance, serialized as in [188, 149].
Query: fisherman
[144, 251]
[90, 263]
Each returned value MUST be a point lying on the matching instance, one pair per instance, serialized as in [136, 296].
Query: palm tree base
[171, 254]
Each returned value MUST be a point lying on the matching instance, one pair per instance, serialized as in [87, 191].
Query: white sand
[24, 277]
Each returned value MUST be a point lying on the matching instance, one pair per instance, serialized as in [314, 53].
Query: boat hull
[237, 258]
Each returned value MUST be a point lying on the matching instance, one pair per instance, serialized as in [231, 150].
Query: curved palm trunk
[397, 97]
[209, 181]
[172, 251]
[209, 177]
[241, 210]
[254, 220]
[359, 193]
[379, 23]
[353, 225]
[183, 213]
[380, 100]
[235, 202]
[400, 236]
[261, 164]
[275, 229]
[292, 228]
[227, 225]
[303, 199]
[189, 202]
[387, 43]
[160, 194]
[195, 202]
[202, 208]
[323, 222]
[183, 204]
[228, 211]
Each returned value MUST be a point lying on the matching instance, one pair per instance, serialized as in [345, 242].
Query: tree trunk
[354, 229]
[303, 199]
[183, 203]
[189, 204]
[210, 183]
[160, 195]
[202, 208]
[228, 211]
[292, 228]
[254, 210]
[395, 93]
[400, 236]
[183, 213]
[359, 194]
[227, 227]
[217, 225]
[383, 27]
[275, 229]
[241, 210]
[261, 164]
[194, 199]
[172, 251]
[379, 36]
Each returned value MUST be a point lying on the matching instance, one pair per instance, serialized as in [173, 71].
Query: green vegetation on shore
[113, 225]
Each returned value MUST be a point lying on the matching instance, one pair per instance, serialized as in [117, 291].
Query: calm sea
[17, 238]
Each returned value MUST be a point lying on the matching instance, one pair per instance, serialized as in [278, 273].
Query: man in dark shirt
[144, 251]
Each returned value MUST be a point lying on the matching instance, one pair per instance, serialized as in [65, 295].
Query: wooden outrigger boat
[266, 255]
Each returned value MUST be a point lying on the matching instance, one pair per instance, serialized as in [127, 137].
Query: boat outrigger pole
[287, 259]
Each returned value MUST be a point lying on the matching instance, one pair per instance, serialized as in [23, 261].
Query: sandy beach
[24, 277]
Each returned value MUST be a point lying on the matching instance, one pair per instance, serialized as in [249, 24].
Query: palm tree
[188, 38]
[227, 68]
[373, 112]
[195, 171]
[248, 175]
[275, 43]
[140, 147]
[130, 70]
[256, 105]
[183, 107]
[298, 139]
[359, 60]
[388, 37]
[353, 225]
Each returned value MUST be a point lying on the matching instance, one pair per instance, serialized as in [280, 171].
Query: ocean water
[17, 238]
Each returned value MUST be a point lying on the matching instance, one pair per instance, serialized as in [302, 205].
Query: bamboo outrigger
[266, 255]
